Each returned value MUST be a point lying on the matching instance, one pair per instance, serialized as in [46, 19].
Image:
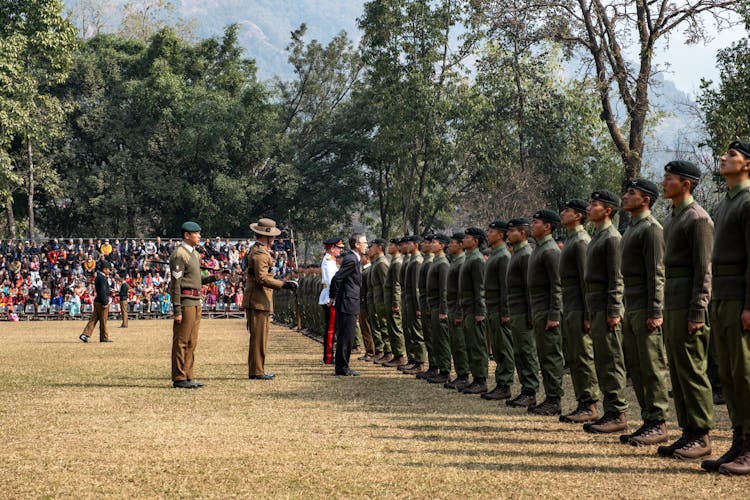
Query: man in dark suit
[345, 290]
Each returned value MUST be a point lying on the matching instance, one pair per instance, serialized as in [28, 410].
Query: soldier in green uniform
[642, 250]
[423, 313]
[688, 236]
[184, 287]
[580, 349]
[437, 298]
[363, 318]
[519, 306]
[604, 300]
[546, 304]
[393, 301]
[474, 309]
[455, 317]
[730, 305]
[379, 315]
[498, 315]
[415, 347]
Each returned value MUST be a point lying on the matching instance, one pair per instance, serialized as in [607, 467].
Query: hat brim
[268, 231]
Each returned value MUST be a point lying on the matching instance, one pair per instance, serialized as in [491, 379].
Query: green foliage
[727, 107]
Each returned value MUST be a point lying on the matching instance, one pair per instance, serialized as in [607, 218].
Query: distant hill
[265, 25]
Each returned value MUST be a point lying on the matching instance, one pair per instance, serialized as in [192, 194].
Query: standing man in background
[101, 306]
[124, 300]
[379, 300]
[393, 290]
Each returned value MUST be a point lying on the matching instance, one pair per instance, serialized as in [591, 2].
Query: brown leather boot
[740, 466]
[439, 378]
[609, 423]
[697, 447]
[479, 386]
[386, 358]
[417, 368]
[650, 433]
[377, 356]
[523, 400]
[498, 393]
[396, 362]
[585, 412]
[407, 366]
[732, 453]
[668, 450]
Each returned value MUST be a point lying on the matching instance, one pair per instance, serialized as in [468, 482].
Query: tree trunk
[30, 152]
[521, 110]
[11, 219]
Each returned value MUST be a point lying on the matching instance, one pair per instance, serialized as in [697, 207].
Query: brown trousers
[184, 342]
[364, 326]
[99, 315]
[257, 325]
[124, 312]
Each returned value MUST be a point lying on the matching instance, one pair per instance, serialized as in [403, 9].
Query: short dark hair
[353, 239]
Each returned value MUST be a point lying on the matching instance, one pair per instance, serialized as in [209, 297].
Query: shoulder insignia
[330, 257]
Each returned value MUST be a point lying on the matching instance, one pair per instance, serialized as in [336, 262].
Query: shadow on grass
[566, 468]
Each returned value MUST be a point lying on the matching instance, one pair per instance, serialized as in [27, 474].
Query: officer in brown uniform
[258, 299]
[101, 306]
[730, 305]
[643, 274]
[688, 237]
[184, 287]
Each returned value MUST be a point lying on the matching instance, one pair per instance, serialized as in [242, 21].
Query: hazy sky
[690, 63]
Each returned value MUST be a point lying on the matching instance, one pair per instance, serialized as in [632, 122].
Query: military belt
[678, 272]
[728, 270]
[190, 292]
[596, 287]
[491, 294]
[633, 280]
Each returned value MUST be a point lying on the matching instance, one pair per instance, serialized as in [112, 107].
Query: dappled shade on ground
[93, 420]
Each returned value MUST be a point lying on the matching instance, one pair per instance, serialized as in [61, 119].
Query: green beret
[684, 169]
[547, 216]
[607, 197]
[458, 236]
[442, 238]
[742, 146]
[380, 242]
[578, 205]
[644, 185]
[476, 233]
[519, 222]
[429, 237]
[499, 224]
[395, 241]
[191, 227]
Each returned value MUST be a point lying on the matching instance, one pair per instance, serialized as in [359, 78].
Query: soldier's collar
[190, 248]
[575, 229]
[742, 186]
[678, 209]
[544, 239]
[638, 218]
[520, 245]
[604, 226]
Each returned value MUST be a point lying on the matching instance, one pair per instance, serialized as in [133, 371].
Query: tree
[603, 29]
[41, 43]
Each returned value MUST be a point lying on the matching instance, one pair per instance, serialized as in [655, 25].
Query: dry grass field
[93, 420]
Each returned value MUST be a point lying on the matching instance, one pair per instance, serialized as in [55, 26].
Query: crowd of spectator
[58, 275]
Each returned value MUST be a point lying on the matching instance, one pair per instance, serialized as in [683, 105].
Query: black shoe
[263, 376]
[84, 338]
[123, 326]
[548, 407]
[523, 400]
[668, 450]
[348, 373]
[195, 383]
[106, 340]
[718, 396]
[184, 384]
[732, 453]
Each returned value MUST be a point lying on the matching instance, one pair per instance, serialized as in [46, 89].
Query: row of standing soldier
[640, 304]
